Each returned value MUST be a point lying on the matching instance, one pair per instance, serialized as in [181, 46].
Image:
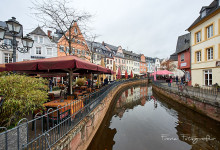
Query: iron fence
[48, 127]
[208, 94]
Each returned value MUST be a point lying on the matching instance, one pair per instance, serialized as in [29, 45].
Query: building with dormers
[136, 64]
[183, 52]
[205, 46]
[128, 55]
[78, 44]
[150, 63]
[43, 47]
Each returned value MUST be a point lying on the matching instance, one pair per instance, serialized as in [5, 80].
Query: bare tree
[55, 14]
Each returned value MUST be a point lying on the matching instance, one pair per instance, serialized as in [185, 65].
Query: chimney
[49, 33]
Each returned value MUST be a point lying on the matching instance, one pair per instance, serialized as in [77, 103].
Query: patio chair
[57, 117]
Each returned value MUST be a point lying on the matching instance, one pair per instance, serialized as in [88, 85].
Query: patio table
[74, 105]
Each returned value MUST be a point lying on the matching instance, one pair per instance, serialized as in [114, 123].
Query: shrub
[80, 81]
[22, 94]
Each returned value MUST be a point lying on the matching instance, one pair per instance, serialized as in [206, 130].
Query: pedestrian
[50, 84]
[168, 81]
[106, 81]
[89, 82]
[182, 80]
[171, 80]
[177, 80]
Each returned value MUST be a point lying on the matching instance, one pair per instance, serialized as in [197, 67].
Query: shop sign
[183, 64]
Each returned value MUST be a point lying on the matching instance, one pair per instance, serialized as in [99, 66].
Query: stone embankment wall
[81, 136]
[199, 105]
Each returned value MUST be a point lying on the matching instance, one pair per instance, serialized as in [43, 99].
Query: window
[61, 49]
[208, 77]
[182, 57]
[119, 60]
[73, 50]
[35, 39]
[107, 61]
[116, 60]
[209, 31]
[75, 31]
[8, 41]
[83, 52]
[38, 50]
[67, 49]
[111, 62]
[73, 40]
[209, 53]
[78, 51]
[78, 41]
[41, 40]
[8, 58]
[198, 37]
[203, 13]
[49, 51]
[198, 56]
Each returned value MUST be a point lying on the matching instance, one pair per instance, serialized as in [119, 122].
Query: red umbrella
[119, 73]
[126, 74]
[131, 76]
[56, 63]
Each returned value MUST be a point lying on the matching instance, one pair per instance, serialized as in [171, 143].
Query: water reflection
[143, 120]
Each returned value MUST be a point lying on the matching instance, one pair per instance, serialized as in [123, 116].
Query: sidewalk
[208, 95]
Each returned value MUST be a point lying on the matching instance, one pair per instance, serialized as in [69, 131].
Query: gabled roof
[183, 43]
[173, 57]
[101, 49]
[210, 9]
[38, 31]
[111, 46]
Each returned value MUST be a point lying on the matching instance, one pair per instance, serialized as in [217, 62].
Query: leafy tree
[22, 94]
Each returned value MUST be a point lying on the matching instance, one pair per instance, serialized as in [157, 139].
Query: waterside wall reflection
[140, 120]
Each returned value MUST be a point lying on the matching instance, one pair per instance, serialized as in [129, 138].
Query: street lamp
[2, 33]
[14, 27]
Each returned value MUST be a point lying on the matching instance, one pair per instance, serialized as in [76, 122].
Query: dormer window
[203, 14]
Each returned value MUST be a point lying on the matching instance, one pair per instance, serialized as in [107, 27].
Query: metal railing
[206, 94]
[48, 127]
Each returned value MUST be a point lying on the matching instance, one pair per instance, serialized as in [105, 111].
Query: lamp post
[2, 33]
[14, 27]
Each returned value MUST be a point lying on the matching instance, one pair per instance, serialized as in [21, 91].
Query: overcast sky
[150, 27]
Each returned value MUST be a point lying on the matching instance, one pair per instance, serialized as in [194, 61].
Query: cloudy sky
[150, 27]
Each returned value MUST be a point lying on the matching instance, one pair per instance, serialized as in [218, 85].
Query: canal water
[143, 120]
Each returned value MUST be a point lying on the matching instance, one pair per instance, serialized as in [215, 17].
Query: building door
[208, 77]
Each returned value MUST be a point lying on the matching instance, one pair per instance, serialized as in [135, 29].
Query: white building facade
[43, 47]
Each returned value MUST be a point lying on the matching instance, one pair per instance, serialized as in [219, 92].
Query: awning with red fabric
[56, 63]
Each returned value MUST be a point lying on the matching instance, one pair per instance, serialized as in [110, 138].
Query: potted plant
[80, 81]
[217, 87]
[196, 85]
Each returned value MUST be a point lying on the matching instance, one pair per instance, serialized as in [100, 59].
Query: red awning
[2, 67]
[56, 63]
